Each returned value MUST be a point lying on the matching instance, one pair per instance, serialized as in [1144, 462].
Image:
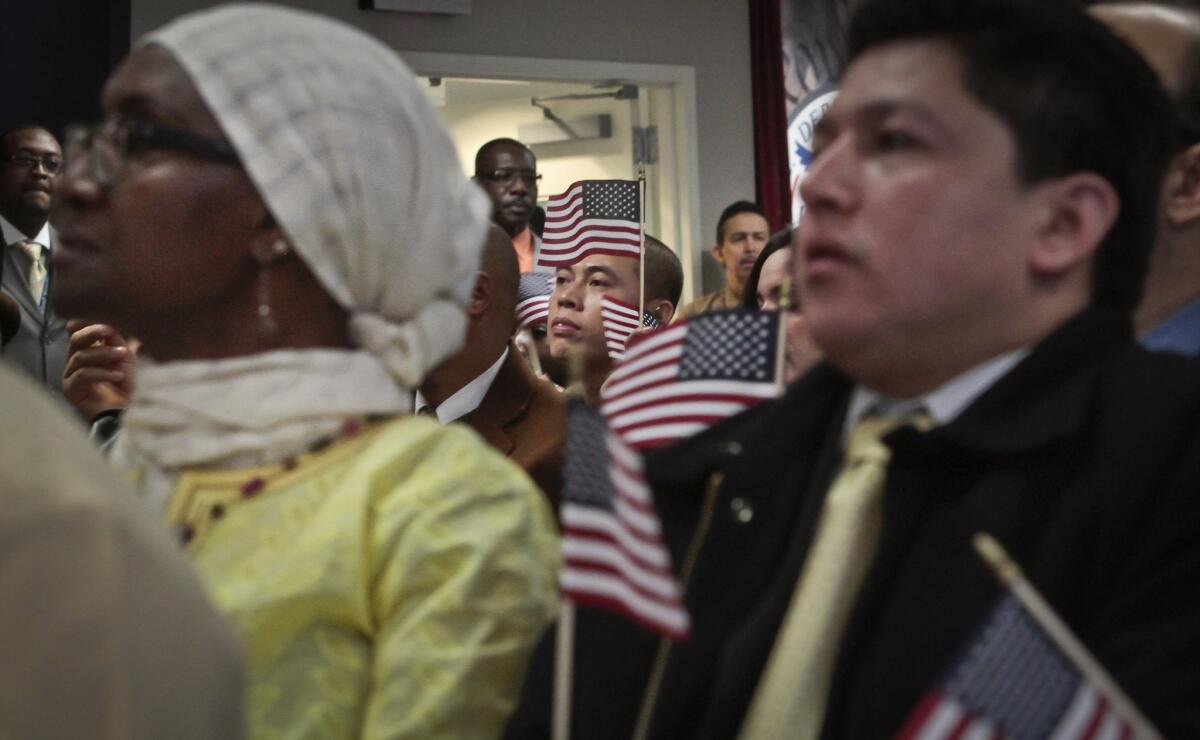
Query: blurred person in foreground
[107, 633]
[980, 207]
[272, 208]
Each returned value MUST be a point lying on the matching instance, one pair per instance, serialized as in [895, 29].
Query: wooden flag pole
[564, 651]
[785, 307]
[641, 240]
[1011, 576]
[564, 642]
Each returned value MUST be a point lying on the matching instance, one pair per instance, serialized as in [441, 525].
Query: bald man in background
[488, 386]
[1168, 36]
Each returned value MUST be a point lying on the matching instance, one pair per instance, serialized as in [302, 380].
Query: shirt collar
[465, 399]
[943, 404]
[13, 235]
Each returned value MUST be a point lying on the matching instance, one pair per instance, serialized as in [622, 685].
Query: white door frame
[681, 79]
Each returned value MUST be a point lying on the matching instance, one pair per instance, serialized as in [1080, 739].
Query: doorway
[583, 120]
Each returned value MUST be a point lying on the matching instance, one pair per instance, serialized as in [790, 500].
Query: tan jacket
[715, 301]
[106, 634]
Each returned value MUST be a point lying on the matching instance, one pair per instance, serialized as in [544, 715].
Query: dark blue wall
[55, 56]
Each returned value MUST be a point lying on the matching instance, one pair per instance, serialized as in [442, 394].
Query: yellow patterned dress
[390, 585]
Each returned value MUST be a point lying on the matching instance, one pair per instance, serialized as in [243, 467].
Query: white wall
[710, 35]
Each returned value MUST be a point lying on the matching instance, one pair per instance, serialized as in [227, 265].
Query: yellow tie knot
[866, 438]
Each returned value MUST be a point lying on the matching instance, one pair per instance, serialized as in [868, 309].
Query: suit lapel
[52, 319]
[16, 285]
[1042, 402]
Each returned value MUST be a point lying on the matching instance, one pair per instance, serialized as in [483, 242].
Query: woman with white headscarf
[272, 208]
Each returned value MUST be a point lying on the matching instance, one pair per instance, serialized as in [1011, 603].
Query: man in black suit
[30, 159]
[979, 211]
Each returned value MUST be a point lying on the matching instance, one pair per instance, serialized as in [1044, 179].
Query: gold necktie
[36, 275]
[791, 695]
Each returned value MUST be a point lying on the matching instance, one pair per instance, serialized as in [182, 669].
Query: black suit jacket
[1084, 461]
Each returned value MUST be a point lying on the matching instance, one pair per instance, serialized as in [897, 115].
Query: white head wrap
[354, 164]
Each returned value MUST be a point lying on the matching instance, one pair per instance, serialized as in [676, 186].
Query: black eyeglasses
[508, 177]
[51, 163]
[105, 147]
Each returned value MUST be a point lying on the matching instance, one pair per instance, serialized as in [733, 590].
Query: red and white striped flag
[1011, 681]
[612, 547]
[678, 381]
[620, 321]
[592, 217]
[533, 298]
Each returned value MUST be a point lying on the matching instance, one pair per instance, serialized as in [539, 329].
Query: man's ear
[481, 295]
[1077, 212]
[663, 310]
[718, 253]
[1181, 188]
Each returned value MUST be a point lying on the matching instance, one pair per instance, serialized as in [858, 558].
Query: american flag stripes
[612, 548]
[620, 320]
[680, 380]
[1012, 682]
[592, 217]
[533, 298]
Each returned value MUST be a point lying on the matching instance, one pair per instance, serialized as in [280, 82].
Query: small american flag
[1013, 682]
[533, 298]
[612, 548]
[620, 320]
[592, 217]
[680, 380]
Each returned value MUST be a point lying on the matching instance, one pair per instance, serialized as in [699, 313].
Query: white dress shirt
[465, 399]
[13, 235]
[943, 404]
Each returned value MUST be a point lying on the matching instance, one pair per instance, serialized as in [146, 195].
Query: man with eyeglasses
[101, 361]
[507, 171]
[30, 159]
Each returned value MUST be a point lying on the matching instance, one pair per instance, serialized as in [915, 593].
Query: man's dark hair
[664, 273]
[781, 239]
[495, 143]
[735, 209]
[1076, 98]
[10, 130]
